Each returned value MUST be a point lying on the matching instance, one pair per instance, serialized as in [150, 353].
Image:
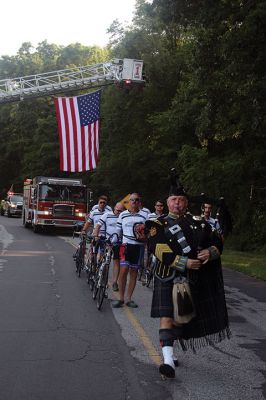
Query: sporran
[184, 309]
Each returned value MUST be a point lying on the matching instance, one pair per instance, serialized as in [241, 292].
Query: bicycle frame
[92, 262]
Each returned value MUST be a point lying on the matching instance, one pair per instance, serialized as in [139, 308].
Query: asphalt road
[55, 344]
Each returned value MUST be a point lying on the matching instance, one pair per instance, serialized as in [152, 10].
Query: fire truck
[56, 202]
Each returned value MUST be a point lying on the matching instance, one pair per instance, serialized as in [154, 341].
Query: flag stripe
[97, 142]
[90, 147]
[76, 133]
[78, 129]
[61, 136]
[86, 137]
[67, 134]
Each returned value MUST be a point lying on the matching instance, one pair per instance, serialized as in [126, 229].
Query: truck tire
[36, 228]
[24, 222]
[8, 213]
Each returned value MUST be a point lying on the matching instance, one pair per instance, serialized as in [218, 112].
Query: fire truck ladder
[50, 83]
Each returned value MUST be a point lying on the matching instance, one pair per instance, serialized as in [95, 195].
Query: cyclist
[92, 220]
[107, 207]
[131, 250]
[108, 221]
[158, 210]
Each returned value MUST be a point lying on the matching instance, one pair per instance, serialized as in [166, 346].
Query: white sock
[168, 355]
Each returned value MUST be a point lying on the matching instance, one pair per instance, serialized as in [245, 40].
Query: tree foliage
[202, 110]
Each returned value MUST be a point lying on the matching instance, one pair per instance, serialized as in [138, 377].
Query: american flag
[78, 127]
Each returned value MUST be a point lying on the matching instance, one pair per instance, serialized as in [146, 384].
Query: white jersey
[108, 221]
[94, 217]
[154, 215]
[145, 211]
[125, 224]
[96, 206]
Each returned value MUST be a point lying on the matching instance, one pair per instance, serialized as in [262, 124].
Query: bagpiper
[188, 294]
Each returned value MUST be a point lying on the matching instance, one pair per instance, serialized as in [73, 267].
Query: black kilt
[162, 303]
[211, 322]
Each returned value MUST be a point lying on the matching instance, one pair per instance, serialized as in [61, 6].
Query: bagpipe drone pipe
[223, 214]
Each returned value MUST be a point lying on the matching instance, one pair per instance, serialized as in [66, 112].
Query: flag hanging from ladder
[78, 120]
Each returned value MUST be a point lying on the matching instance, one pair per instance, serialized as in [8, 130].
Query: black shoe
[167, 371]
[117, 303]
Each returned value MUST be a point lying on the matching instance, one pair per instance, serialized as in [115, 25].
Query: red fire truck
[57, 202]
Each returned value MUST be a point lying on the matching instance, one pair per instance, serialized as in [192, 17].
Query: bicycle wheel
[102, 286]
[78, 265]
[95, 287]
[91, 272]
[91, 277]
[79, 260]
[140, 273]
[149, 277]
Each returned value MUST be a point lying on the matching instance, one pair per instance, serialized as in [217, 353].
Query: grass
[251, 264]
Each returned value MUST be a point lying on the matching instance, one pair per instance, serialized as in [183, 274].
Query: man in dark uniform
[186, 246]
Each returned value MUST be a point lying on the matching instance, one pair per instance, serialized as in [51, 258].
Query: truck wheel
[25, 224]
[8, 213]
[36, 228]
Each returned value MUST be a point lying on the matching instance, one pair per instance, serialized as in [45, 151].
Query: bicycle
[80, 253]
[92, 263]
[149, 271]
[101, 279]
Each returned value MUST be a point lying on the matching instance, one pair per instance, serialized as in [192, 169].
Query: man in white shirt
[107, 207]
[92, 220]
[95, 214]
[158, 210]
[108, 221]
[131, 250]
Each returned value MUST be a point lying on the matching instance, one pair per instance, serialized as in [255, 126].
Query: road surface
[56, 345]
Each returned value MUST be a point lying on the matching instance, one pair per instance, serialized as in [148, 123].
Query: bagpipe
[223, 214]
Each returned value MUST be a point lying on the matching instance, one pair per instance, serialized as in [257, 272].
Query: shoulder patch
[152, 231]
[157, 221]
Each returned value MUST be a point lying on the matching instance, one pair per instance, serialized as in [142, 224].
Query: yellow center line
[144, 337]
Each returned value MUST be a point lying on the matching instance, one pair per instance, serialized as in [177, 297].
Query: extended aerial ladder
[50, 83]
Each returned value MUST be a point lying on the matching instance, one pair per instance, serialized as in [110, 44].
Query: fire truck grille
[62, 210]
[19, 206]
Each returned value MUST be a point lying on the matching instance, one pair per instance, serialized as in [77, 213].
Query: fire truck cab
[58, 202]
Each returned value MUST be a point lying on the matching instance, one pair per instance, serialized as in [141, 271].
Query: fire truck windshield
[61, 193]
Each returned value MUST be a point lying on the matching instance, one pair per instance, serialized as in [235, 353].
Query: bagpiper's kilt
[162, 303]
[211, 322]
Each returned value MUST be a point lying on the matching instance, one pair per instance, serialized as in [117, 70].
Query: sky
[59, 21]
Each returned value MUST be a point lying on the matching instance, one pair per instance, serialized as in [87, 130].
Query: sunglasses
[136, 199]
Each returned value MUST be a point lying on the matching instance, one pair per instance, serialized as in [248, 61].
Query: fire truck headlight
[13, 205]
[80, 214]
[46, 212]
